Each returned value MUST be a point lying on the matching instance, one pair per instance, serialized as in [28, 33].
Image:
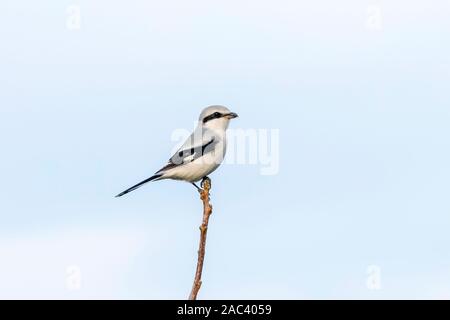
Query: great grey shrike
[201, 154]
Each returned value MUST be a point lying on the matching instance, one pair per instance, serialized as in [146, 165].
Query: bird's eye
[212, 116]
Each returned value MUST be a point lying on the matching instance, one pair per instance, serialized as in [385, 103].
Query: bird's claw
[206, 183]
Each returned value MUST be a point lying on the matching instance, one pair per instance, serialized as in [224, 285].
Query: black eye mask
[215, 115]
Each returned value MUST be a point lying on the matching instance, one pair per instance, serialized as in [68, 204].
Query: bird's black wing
[188, 155]
[183, 156]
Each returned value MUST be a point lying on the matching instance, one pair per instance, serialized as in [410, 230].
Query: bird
[201, 154]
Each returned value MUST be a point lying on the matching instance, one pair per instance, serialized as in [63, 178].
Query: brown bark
[207, 210]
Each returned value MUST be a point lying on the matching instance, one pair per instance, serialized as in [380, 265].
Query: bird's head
[216, 117]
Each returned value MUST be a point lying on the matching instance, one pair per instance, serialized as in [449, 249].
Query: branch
[207, 210]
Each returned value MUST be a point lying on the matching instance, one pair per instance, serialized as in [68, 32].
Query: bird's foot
[206, 183]
[198, 188]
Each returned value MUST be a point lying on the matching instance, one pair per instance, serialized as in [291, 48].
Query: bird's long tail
[140, 184]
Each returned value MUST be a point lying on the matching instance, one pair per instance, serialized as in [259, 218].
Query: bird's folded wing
[192, 149]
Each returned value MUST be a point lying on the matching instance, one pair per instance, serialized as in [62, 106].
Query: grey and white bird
[201, 154]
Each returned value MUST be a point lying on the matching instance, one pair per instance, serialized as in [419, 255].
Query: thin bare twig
[207, 210]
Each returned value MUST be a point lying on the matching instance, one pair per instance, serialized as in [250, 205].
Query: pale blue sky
[363, 114]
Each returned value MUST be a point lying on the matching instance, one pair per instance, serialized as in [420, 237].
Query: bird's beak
[231, 115]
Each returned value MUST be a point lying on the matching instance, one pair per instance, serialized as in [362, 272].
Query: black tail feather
[140, 184]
